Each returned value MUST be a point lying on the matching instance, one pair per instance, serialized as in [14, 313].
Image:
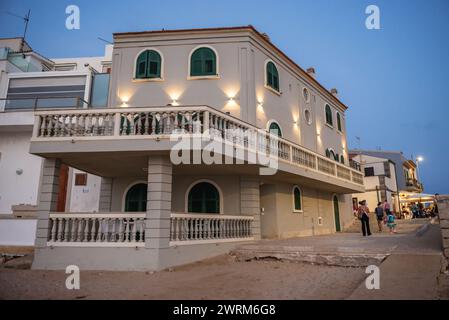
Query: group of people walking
[383, 216]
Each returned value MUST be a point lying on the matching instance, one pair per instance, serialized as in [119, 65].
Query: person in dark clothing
[362, 213]
[380, 215]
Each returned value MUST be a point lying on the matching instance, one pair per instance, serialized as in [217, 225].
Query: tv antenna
[104, 40]
[26, 20]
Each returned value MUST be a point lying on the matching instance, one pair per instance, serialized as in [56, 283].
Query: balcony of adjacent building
[413, 185]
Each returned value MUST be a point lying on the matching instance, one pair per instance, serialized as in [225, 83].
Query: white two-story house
[211, 137]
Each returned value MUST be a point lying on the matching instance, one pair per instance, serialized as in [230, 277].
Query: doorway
[336, 214]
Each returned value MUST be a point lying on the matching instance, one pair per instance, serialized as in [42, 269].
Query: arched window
[342, 159]
[275, 129]
[203, 62]
[136, 198]
[297, 199]
[339, 122]
[148, 65]
[337, 157]
[272, 76]
[331, 154]
[329, 120]
[204, 198]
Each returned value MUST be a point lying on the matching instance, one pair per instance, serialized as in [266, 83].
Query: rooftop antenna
[101, 39]
[25, 19]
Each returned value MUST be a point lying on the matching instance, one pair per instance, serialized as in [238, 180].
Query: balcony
[413, 185]
[65, 133]
[119, 229]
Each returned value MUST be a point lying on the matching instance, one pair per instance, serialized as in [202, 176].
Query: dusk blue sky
[394, 80]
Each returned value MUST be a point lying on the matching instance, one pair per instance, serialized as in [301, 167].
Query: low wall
[126, 259]
[17, 232]
[443, 209]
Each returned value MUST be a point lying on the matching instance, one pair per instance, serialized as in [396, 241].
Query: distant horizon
[394, 80]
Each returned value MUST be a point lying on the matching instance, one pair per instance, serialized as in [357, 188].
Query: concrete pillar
[47, 198]
[159, 195]
[250, 201]
[105, 195]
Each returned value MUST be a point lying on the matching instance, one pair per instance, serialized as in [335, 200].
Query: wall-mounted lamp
[175, 103]
[124, 102]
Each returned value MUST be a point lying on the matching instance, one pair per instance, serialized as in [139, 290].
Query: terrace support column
[47, 199]
[157, 227]
[250, 201]
[105, 195]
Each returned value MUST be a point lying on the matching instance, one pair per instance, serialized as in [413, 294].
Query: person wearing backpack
[391, 224]
[362, 214]
[380, 215]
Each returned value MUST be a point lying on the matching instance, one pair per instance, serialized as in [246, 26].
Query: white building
[379, 179]
[30, 82]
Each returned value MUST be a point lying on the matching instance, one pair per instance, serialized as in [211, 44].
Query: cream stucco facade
[176, 213]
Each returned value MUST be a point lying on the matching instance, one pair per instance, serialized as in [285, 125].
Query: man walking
[380, 215]
[362, 213]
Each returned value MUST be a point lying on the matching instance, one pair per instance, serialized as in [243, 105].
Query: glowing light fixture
[420, 159]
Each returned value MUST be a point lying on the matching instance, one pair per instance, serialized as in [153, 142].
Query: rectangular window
[369, 171]
[80, 179]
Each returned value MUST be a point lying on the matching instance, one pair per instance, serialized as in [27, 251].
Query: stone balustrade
[96, 229]
[129, 123]
[187, 228]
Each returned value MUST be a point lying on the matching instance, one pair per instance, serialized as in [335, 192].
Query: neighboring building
[229, 86]
[30, 82]
[405, 171]
[380, 181]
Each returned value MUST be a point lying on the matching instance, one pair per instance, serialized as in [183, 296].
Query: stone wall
[443, 208]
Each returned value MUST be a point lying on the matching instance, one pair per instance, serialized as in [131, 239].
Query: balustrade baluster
[60, 234]
[153, 124]
[92, 230]
[53, 229]
[134, 229]
[139, 124]
[74, 230]
[127, 231]
[147, 123]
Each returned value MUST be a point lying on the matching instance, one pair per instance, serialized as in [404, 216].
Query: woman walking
[364, 218]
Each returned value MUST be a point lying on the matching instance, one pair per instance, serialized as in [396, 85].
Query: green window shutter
[297, 198]
[204, 198]
[338, 122]
[272, 76]
[154, 64]
[275, 129]
[203, 62]
[328, 153]
[141, 65]
[329, 115]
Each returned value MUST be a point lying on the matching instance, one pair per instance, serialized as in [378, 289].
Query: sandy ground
[409, 273]
[218, 278]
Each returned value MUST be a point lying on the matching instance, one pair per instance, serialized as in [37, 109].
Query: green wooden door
[337, 214]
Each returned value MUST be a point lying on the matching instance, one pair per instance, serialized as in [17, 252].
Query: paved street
[409, 272]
